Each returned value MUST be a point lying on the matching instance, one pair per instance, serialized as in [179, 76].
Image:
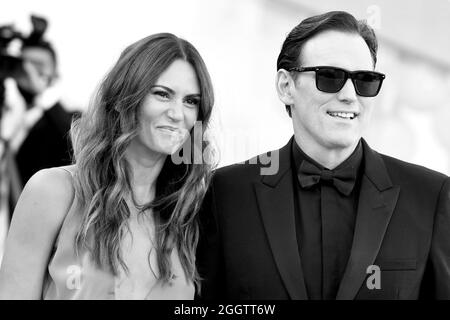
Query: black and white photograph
[230, 154]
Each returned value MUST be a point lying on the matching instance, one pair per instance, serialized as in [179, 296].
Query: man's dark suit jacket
[248, 247]
[47, 144]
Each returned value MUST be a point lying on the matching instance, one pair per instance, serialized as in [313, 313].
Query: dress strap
[67, 169]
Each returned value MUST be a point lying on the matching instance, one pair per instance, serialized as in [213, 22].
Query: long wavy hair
[102, 177]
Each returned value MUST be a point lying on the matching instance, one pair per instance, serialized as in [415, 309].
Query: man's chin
[342, 142]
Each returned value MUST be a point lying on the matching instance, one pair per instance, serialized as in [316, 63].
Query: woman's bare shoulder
[52, 182]
[48, 195]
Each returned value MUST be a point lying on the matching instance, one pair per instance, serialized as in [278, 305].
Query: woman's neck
[145, 166]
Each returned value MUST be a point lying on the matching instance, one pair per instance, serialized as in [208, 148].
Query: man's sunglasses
[332, 79]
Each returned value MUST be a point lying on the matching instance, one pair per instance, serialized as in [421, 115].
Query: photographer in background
[46, 141]
[34, 125]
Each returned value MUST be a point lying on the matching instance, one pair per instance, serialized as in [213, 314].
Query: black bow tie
[343, 179]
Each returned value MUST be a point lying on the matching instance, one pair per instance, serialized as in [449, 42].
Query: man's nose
[348, 92]
[175, 111]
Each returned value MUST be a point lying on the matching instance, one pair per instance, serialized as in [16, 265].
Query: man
[35, 126]
[45, 141]
[337, 220]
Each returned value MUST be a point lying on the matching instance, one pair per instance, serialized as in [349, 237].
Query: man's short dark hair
[289, 56]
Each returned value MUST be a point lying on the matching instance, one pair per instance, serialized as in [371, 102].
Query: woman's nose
[175, 111]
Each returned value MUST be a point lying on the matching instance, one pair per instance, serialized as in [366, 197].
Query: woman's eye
[193, 101]
[162, 94]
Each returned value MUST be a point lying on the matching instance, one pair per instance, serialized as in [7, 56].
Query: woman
[121, 222]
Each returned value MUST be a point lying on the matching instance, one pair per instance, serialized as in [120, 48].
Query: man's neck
[329, 158]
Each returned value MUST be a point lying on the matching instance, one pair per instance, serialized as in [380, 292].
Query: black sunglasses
[332, 79]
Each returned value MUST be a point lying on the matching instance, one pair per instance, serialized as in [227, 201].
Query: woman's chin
[168, 146]
[172, 141]
[168, 150]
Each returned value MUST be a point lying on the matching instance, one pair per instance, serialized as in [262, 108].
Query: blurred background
[240, 41]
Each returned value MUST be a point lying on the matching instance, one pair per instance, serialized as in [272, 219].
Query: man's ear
[284, 85]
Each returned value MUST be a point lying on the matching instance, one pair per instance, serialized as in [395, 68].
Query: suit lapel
[377, 201]
[276, 203]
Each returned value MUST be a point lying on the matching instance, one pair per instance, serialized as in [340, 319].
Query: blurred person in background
[121, 222]
[46, 141]
[35, 126]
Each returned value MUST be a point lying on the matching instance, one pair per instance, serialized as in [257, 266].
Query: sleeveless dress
[77, 277]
